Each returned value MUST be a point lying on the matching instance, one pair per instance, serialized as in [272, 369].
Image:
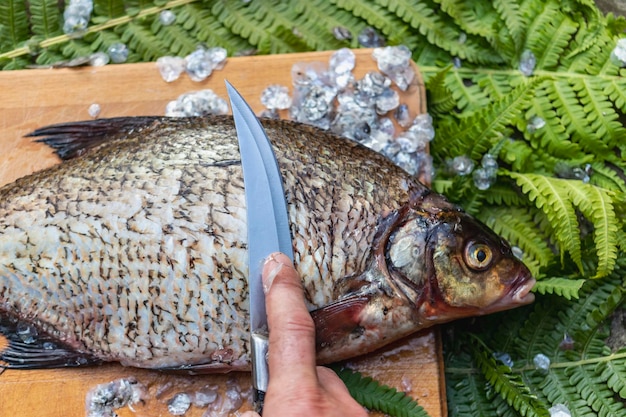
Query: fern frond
[482, 130]
[466, 396]
[514, 21]
[375, 15]
[374, 396]
[13, 29]
[204, 26]
[565, 287]
[440, 98]
[613, 373]
[601, 116]
[316, 20]
[508, 385]
[108, 9]
[141, 40]
[558, 389]
[596, 204]
[608, 177]
[549, 195]
[45, 18]
[517, 226]
[178, 39]
[597, 395]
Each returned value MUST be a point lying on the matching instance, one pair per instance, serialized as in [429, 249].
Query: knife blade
[268, 226]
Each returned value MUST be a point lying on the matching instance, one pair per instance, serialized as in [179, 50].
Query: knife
[268, 227]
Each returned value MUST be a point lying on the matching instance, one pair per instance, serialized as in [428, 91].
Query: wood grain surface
[34, 98]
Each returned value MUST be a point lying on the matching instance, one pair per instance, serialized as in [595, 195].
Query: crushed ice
[94, 110]
[503, 357]
[542, 362]
[527, 63]
[104, 399]
[559, 410]
[167, 17]
[328, 96]
[118, 52]
[618, 55]
[198, 65]
[76, 17]
[197, 103]
[179, 404]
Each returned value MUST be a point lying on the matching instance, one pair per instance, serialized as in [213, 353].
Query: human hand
[297, 386]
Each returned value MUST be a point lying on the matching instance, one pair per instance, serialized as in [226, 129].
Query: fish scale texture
[137, 252]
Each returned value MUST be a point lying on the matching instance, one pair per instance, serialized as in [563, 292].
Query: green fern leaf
[13, 30]
[518, 227]
[481, 131]
[45, 18]
[108, 9]
[614, 373]
[549, 195]
[597, 395]
[440, 98]
[508, 385]
[596, 204]
[565, 287]
[515, 22]
[141, 40]
[374, 396]
[375, 15]
[204, 26]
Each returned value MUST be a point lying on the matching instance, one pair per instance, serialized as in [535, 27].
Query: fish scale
[136, 251]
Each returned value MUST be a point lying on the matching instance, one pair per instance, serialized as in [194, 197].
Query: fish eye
[478, 255]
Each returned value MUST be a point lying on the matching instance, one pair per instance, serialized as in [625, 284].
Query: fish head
[472, 270]
[451, 265]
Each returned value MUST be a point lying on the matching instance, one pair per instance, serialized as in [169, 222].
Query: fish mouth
[522, 293]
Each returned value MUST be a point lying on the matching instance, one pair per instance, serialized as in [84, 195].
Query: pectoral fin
[337, 320]
[40, 353]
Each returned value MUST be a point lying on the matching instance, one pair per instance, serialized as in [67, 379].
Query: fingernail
[268, 278]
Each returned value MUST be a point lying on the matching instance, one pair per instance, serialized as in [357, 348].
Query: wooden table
[34, 98]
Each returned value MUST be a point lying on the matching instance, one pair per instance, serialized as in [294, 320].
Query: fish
[133, 249]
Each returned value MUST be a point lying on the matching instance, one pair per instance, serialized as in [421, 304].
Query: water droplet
[342, 34]
[527, 62]
[167, 17]
[559, 410]
[503, 357]
[517, 252]
[483, 178]
[370, 38]
[618, 55]
[170, 67]
[534, 124]
[461, 165]
[462, 37]
[94, 110]
[98, 59]
[118, 52]
[542, 362]
[27, 333]
[179, 404]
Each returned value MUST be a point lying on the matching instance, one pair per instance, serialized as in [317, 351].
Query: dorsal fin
[40, 352]
[73, 139]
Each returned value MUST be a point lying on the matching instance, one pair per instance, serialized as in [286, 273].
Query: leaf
[372, 395]
[549, 195]
[565, 287]
[509, 386]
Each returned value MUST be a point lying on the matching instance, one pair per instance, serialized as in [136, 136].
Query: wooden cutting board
[34, 98]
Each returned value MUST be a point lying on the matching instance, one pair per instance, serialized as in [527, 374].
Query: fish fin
[73, 139]
[334, 321]
[44, 352]
[202, 369]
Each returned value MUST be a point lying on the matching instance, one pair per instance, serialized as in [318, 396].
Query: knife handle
[259, 401]
[260, 370]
